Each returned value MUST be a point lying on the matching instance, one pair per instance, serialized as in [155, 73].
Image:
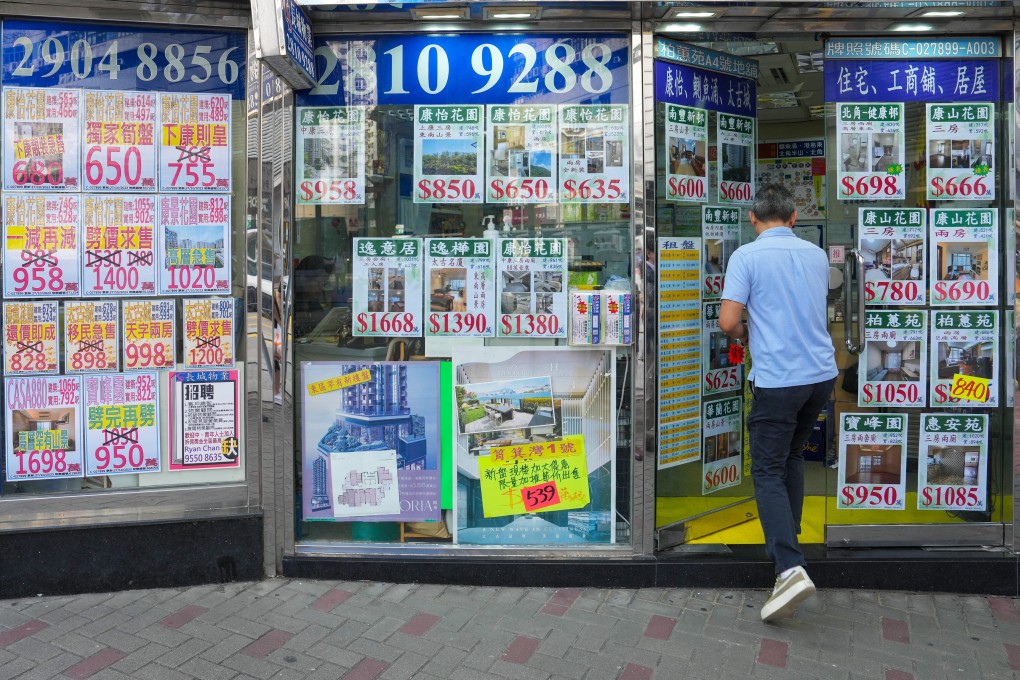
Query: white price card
[91, 336]
[722, 444]
[120, 247]
[449, 142]
[520, 152]
[461, 276]
[531, 284]
[121, 425]
[872, 461]
[119, 140]
[964, 257]
[194, 244]
[42, 142]
[41, 245]
[961, 151]
[952, 462]
[194, 142]
[43, 418]
[686, 153]
[387, 287]
[594, 160]
[892, 242]
[30, 337]
[331, 155]
[869, 151]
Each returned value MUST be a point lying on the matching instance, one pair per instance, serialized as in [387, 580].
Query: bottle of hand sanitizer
[489, 222]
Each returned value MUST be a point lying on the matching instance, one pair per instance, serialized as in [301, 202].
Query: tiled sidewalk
[286, 629]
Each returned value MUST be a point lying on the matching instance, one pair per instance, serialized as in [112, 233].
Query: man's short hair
[773, 203]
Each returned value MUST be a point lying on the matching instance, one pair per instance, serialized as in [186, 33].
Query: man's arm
[731, 320]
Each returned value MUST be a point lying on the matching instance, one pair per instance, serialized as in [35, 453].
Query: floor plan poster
[204, 420]
[872, 461]
[41, 244]
[531, 278]
[91, 338]
[892, 243]
[449, 143]
[194, 145]
[42, 139]
[686, 153]
[964, 258]
[891, 368]
[120, 245]
[595, 153]
[30, 337]
[722, 447]
[952, 462]
[461, 275]
[965, 344]
[331, 155]
[736, 137]
[387, 287]
[194, 244]
[119, 148]
[720, 227]
[520, 154]
[381, 422]
[961, 151]
[583, 403]
[869, 151]
[121, 426]
[43, 417]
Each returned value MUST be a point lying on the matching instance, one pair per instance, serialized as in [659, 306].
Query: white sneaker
[787, 595]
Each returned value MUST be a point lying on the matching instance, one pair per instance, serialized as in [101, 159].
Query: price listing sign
[520, 144]
[952, 462]
[686, 144]
[41, 245]
[121, 429]
[43, 417]
[961, 151]
[965, 358]
[532, 274]
[721, 370]
[447, 154]
[594, 153]
[462, 289]
[387, 287]
[204, 420]
[964, 256]
[150, 340]
[536, 477]
[736, 158]
[869, 151]
[42, 146]
[194, 142]
[194, 244]
[891, 370]
[722, 444]
[119, 140]
[720, 228]
[892, 242]
[30, 337]
[209, 333]
[120, 249]
[872, 461]
[90, 336]
[331, 155]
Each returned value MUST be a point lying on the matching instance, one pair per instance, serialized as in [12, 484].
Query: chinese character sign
[30, 337]
[869, 151]
[194, 144]
[387, 287]
[736, 137]
[204, 420]
[330, 155]
[42, 145]
[535, 477]
[722, 444]
[41, 241]
[720, 228]
[194, 244]
[121, 426]
[872, 461]
[892, 243]
[462, 291]
[952, 462]
[120, 249]
[965, 358]
[43, 417]
[686, 137]
[891, 370]
[964, 256]
[532, 295]
[864, 78]
[119, 140]
[90, 336]
[722, 357]
[594, 153]
[209, 332]
[150, 340]
[961, 152]
[449, 143]
[520, 154]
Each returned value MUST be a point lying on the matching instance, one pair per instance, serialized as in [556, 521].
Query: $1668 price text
[391, 323]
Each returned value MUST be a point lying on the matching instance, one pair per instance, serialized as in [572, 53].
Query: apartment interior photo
[953, 465]
[966, 358]
[887, 259]
[962, 261]
[893, 361]
[873, 464]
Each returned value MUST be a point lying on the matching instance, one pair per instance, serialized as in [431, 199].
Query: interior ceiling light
[681, 13]
[681, 28]
[809, 62]
[942, 13]
[911, 28]
[508, 13]
[440, 13]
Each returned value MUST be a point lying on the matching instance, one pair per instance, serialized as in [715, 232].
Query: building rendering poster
[389, 409]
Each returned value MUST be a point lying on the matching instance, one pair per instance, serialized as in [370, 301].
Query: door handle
[854, 343]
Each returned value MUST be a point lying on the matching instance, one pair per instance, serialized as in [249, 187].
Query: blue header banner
[297, 37]
[470, 69]
[913, 48]
[912, 81]
[705, 58]
[111, 57]
[703, 89]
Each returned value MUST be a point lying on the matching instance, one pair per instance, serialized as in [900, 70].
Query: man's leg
[806, 419]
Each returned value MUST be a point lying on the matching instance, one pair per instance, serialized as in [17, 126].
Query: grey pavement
[285, 629]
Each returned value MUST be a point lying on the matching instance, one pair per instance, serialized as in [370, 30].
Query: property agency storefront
[477, 260]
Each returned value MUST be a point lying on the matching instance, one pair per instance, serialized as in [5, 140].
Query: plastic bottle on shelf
[489, 222]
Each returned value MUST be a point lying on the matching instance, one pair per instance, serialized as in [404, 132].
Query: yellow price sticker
[969, 388]
[534, 477]
[340, 382]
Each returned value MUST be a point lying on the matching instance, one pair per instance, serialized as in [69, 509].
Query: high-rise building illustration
[320, 483]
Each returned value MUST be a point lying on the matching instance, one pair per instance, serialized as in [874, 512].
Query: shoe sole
[800, 592]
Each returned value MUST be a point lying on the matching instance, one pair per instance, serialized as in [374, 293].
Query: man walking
[782, 281]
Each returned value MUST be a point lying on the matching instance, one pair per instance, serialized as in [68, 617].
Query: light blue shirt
[782, 280]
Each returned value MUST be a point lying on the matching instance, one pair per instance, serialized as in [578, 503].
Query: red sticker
[540, 496]
[736, 354]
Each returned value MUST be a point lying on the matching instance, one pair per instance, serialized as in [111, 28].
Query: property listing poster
[119, 140]
[91, 340]
[448, 149]
[961, 151]
[204, 420]
[531, 284]
[209, 333]
[736, 138]
[148, 334]
[964, 350]
[891, 368]
[964, 256]
[510, 405]
[595, 153]
[722, 358]
[722, 449]
[799, 165]
[41, 238]
[686, 151]
[872, 461]
[892, 242]
[30, 337]
[869, 151]
[368, 453]
[461, 274]
[952, 462]
[42, 140]
[120, 249]
[520, 154]
[387, 299]
[720, 228]
[194, 244]
[680, 340]
[194, 142]
[43, 418]
[121, 427]
[331, 155]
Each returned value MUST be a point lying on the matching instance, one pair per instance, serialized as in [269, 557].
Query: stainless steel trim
[444, 550]
[1013, 523]
[854, 256]
[975, 534]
